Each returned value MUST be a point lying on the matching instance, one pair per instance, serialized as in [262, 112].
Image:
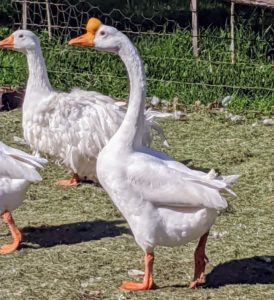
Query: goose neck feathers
[38, 76]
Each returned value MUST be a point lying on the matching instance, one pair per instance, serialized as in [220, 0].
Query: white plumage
[164, 202]
[73, 126]
[17, 170]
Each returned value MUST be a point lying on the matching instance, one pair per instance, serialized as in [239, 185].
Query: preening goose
[17, 170]
[164, 202]
[73, 126]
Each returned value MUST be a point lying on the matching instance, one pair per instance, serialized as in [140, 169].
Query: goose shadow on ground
[252, 270]
[67, 234]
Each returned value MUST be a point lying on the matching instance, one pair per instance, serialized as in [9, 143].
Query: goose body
[12, 193]
[17, 171]
[72, 127]
[164, 202]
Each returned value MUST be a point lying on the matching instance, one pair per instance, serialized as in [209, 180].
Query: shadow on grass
[252, 270]
[67, 234]
[188, 163]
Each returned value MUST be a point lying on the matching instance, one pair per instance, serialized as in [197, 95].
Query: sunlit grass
[171, 69]
[76, 244]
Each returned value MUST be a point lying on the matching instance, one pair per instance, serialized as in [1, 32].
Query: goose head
[100, 36]
[21, 40]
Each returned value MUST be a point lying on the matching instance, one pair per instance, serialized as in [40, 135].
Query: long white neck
[131, 130]
[38, 80]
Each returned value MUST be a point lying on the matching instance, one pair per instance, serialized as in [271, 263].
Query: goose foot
[147, 283]
[73, 181]
[200, 262]
[15, 233]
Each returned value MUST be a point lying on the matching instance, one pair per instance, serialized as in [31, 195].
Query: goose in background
[164, 202]
[73, 126]
[17, 171]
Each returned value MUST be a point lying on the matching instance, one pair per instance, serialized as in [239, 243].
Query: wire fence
[164, 37]
[68, 17]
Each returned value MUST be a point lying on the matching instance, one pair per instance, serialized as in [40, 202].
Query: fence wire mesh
[163, 35]
[68, 17]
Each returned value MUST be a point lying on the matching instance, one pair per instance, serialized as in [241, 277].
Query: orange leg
[200, 262]
[147, 283]
[15, 233]
[73, 181]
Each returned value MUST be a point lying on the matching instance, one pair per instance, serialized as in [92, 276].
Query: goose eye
[102, 33]
[21, 35]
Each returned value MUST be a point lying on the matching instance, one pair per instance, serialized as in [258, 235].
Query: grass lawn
[77, 246]
[171, 70]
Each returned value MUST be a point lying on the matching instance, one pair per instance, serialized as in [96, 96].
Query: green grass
[76, 244]
[170, 67]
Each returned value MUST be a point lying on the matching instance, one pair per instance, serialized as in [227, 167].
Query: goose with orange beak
[94, 28]
[164, 202]
[73, 127]
[86, 40]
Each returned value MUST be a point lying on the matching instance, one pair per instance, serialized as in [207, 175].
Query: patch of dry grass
[77, 245]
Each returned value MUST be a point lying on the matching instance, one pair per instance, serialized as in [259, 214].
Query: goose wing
[17, 154]
[85, 123]
[164, 185]
[99, 99]
[17, 164]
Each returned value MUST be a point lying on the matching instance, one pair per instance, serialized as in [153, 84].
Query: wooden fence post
[24, 14]
[232, 32]
[193, 9]
[48, 19]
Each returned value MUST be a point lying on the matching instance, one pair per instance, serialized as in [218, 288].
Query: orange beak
[85, 40]
[7, 42]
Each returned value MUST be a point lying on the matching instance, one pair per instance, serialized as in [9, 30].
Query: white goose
[17, 170]
[164, 202]
[73, 126]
